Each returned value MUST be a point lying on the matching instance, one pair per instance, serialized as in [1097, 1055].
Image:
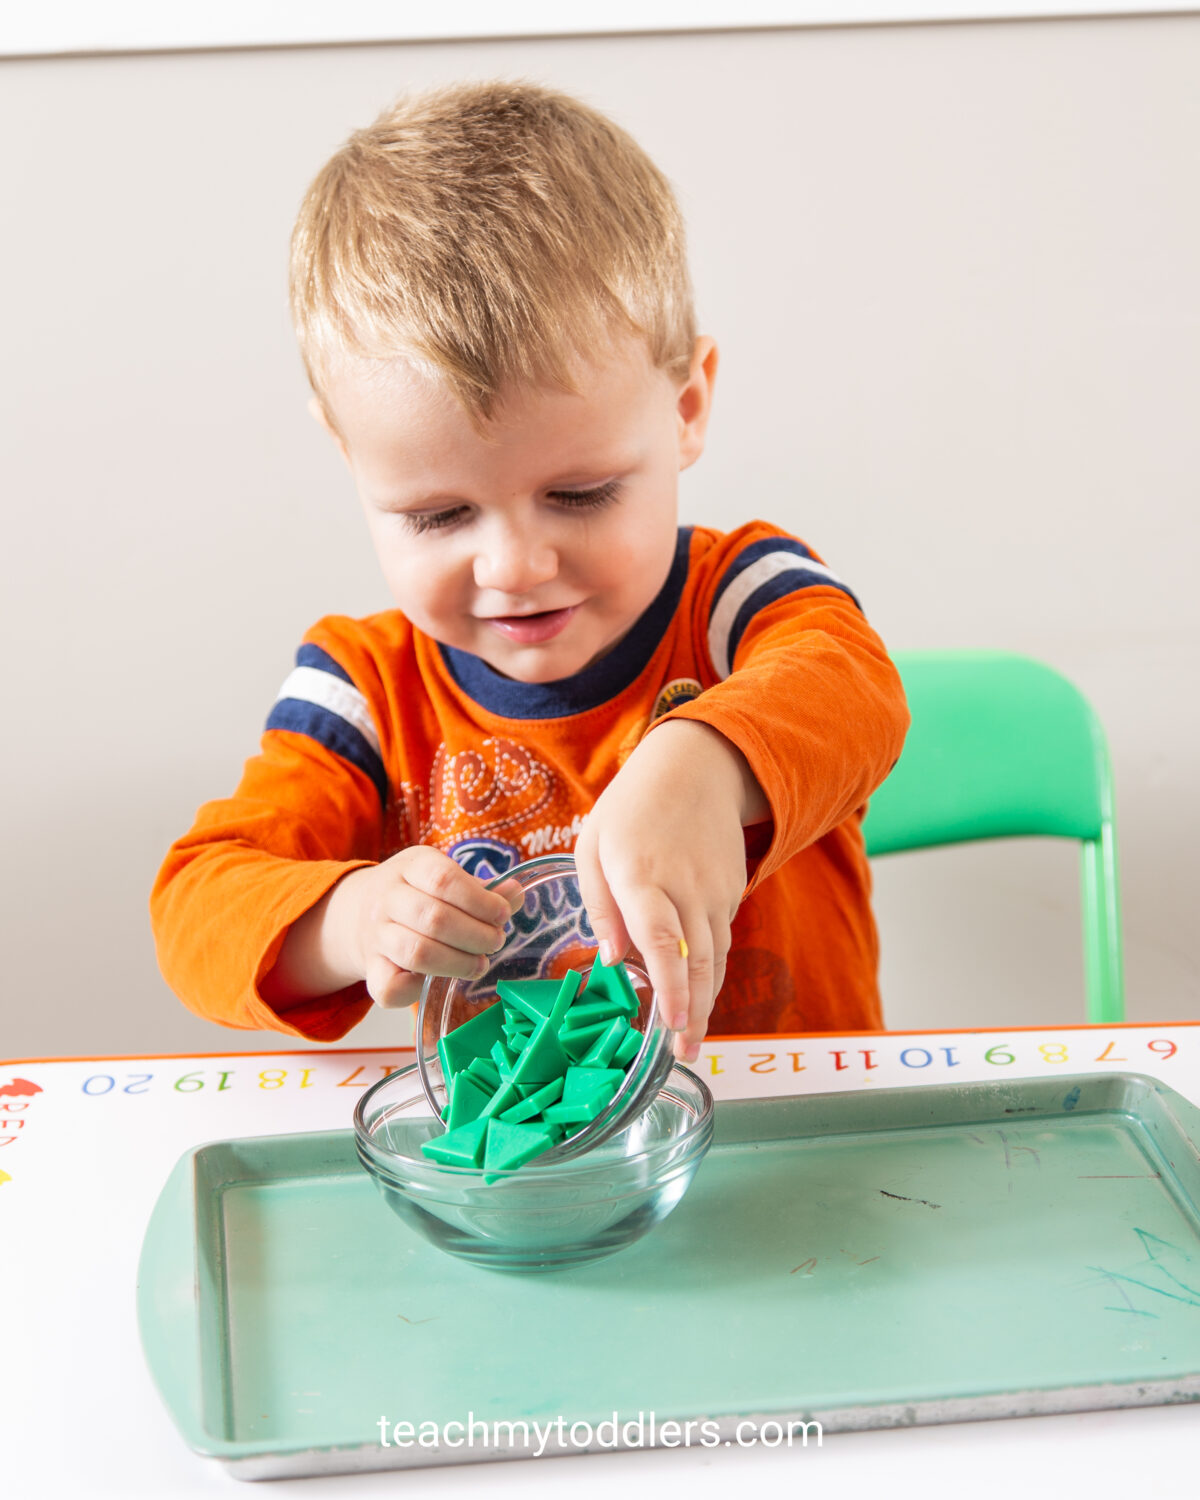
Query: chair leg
[1103, 964]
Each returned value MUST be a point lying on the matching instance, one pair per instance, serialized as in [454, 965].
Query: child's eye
[418, 521]
[603, 494]
[434, 520]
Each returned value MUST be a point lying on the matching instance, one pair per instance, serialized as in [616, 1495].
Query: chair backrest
[1003, 746]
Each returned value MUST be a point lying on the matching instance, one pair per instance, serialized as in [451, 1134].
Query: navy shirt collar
[600, 683]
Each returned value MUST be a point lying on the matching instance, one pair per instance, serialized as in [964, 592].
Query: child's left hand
[661, 857]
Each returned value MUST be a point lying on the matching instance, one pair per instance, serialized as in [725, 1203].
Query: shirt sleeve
[309, 808]
[804, 688]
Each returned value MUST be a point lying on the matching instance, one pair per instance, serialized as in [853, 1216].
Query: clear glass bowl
[547, 936]
[535, 1218]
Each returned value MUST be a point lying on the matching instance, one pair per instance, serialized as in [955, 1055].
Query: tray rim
[183, 1364]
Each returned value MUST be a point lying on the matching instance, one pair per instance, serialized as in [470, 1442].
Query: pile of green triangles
[544, 1060]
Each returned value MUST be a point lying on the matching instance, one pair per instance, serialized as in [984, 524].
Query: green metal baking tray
[862, 1259]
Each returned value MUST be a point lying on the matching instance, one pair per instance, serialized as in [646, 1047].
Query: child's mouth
[530, 629]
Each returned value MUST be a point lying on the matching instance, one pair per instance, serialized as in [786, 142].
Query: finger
[716, 938]
[436, 874]
[390, 987]
[699, 943]
[654, 925]
[604, 914]
[449, 925]
[706, 979]
[513, 892]
[422, 954]
[718, 985]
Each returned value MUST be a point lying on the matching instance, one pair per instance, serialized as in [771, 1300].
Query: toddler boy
[491, 295]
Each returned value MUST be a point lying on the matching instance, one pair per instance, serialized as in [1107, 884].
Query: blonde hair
[491, 233]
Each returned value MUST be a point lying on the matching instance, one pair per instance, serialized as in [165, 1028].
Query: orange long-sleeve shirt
[382, 738]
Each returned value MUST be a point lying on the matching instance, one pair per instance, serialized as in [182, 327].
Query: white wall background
[953, 272]
[45, 27]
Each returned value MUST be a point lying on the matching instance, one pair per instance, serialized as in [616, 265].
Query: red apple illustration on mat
[20, 1086]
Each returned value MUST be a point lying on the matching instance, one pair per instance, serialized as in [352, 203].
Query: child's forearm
[704, 752]
[317, 957]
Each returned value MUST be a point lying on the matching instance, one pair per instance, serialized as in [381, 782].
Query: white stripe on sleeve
[751, 578]
[311, 685]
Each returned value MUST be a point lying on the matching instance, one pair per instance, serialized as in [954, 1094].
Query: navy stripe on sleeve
[764, 572]
[319, 699]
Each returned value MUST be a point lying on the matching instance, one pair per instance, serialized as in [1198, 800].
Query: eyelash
[595, 499]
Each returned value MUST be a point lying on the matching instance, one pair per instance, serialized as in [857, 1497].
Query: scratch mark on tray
[415, 1322]
[902, 1199]
[1150, 1240]
[1157, 1251]
[1145, 1285]
[1156, 1259]
[1012, 1151]
[1117, 1176]
[807, 1266]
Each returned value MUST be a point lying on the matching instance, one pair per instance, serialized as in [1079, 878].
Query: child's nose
[514, 562]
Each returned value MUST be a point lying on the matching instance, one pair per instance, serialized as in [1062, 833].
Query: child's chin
[534, 672]
[539, 667]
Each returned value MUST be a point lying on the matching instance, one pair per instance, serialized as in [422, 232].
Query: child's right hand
[420, 913]
[391, 924]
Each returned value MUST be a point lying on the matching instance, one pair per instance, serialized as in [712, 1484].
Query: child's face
[537, 544]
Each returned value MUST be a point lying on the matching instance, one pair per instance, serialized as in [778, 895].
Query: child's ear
[316, 408]
[695, 401]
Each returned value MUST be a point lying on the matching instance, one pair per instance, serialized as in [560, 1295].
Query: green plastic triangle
[485, 1072]
[583, 1084]
[612, 984]
[467, 1101]
[574, 1114]
[532, 998]
[631, 1045]
[600, 1054]
[472, 1039]
[463, 1147]
[505, 1096]
[535, 1102]
[543, 1059]
[572, 983]
[511, 1146]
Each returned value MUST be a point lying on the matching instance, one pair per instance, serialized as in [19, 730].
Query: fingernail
[680, 1021]
[692, 1052]
[608, 953]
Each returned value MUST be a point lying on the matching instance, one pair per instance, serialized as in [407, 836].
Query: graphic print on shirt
[480, 805]
[555, 906]
[678, 690]
[474, 795]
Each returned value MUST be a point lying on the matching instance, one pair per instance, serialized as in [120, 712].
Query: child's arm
[280, 909]
[276, 910]
[662, 857]
[806, 725]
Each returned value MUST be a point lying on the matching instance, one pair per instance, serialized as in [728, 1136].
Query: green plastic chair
[1002, 746]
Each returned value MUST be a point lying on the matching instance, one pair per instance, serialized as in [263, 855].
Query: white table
[82, 1160]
